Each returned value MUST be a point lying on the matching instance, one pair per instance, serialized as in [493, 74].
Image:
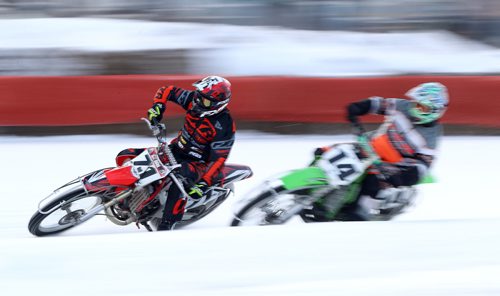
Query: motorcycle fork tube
[179, 184]
[174, 178]
[290, 213]
[296, 209]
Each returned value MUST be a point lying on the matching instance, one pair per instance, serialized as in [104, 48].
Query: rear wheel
[64, 212]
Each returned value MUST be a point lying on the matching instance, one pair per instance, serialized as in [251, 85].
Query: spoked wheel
[269, 208]
[63, 212]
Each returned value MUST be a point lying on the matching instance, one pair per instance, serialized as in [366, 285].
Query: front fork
[300, 203]
[178, 183]
[298, 207]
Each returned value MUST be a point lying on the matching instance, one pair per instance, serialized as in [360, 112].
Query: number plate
[341, 164]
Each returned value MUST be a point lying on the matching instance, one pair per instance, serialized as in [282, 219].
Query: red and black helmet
[212, 95]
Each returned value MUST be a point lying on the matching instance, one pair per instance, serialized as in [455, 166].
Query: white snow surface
[448, 244]
[242, 50]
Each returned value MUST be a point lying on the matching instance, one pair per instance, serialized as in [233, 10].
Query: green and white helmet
[429, 102]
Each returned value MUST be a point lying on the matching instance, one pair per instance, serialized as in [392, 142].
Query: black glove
[155, 113]
[198, 190]
[358, 109]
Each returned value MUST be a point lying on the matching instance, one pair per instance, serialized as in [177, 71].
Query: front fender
[121, 176]
[309, 177]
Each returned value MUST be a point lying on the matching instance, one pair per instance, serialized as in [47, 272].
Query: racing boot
[166, 225]
[172, 213]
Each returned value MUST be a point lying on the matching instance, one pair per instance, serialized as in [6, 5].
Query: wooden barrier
[75, 100]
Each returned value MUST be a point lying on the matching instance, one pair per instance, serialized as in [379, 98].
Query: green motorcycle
[327, 190]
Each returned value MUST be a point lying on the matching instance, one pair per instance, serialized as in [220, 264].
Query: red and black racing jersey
[207, 139]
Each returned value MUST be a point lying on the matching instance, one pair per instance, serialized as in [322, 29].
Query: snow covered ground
[239, 50]
[447, 245]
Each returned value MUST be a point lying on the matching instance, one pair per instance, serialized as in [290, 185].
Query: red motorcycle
[133, 192]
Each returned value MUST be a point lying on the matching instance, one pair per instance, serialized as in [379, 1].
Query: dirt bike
[326, 190]
[133, 192]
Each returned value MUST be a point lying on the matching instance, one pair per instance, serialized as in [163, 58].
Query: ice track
[447, 245]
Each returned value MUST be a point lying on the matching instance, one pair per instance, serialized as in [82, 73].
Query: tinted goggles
[423, 108]
[205, 101]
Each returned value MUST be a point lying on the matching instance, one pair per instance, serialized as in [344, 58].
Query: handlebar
[359, 129]
[159, 130]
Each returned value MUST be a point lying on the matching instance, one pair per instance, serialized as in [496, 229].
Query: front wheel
[271, 207]
[64, 212]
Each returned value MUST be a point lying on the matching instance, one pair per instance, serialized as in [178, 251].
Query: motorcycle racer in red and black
[204, 142]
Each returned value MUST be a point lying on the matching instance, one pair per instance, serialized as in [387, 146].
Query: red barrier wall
[73, 100]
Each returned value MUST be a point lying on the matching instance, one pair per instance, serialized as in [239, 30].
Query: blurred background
[477, 19]
[32, 44]
[243, 38]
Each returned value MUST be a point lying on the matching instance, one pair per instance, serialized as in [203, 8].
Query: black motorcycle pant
[372, 184]
[176, 202]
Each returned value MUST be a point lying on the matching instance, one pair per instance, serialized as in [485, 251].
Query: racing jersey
[400, 141]
[208, 139]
